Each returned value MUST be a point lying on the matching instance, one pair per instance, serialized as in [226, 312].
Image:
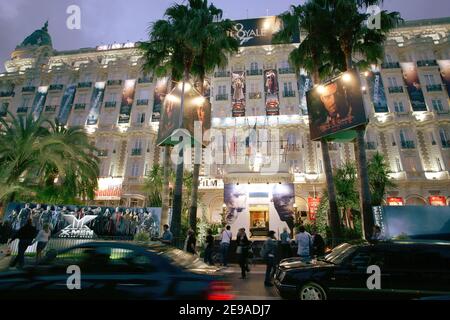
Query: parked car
[408, 270]
[116, 270]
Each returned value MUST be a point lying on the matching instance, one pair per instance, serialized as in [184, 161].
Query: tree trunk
[364, 188]
[335, 224]
[165, 192]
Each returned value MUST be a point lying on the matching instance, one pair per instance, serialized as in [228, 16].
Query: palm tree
[379, 179]
[153, 185]
[216, 43]
[316, 58]
[356, 38]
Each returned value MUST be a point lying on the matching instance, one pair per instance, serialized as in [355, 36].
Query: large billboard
[39, 101]
[444, 66]
[336, 106]
[127, 101]
[158, 98]
[271, 92]
[377, 93]
[66, 104]
[304, 85]
[416, 222]
[238, 90]
[412, 82]
[96, 103]
[259, 32]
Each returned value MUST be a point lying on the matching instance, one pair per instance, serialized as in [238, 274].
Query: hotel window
[254, 88]
[78, 120]
[411, 164]
[138, 144]
[222, 90]
[143, 94]
[54, 101]
[444, 138]
[392, 82]
[82, 98]
[437, 105]
[87, 77]
[254, 66]
[388, 58]
[135, 169]
[429, 80]
[405, 135]
[398, 106]
[25, 102]
[112, 97]
[398, 164]
[140, 117]
[58, 79]
[287, 87]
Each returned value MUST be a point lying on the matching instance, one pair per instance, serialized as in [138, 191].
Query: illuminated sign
[437, 201]
[206, 183]
[395, 201]
[116, 46]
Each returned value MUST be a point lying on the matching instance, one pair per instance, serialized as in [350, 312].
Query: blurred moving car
[116, 270]
[408, 270]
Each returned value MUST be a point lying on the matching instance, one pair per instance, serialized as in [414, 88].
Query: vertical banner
[304, 85]
[66, 104]
[127, 101]
[444, 66]
[238, 94]
[271, 92]
[159, 95]
[377, 93]
[96, 103]
[39, 101]
[313, 205]
[412, 82]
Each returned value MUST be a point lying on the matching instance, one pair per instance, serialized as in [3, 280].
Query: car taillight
[220, 290]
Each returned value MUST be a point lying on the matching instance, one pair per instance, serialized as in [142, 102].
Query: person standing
[225, 241]
[42, 239]
[285, 244]
[268, 252]
[304, 242]
[167, 236]
[209, 248]
[190, 242]
[318, 244]
[242, 245]
[25, 235]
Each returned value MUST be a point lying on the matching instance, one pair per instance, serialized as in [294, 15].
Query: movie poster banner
[238, 91]
[412, 82]
[158, 98]
[127, 101]
[304, 85]
[66, 104]
[96, 103]
[39, 101]
[336, 106]
[313, 206]
[377, 93]
[271, 92]
[444, 66]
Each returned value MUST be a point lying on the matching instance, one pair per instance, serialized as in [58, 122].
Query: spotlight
[321, 89]
[347, 77]
[366, 74]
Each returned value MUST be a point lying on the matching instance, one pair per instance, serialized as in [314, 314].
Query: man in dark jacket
[268, 252]
[26, 234]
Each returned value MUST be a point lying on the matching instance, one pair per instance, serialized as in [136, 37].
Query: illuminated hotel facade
[88, 87]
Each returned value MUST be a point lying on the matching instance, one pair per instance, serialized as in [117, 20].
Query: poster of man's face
[336, 107]
[170, 118]
[283, 197]
[235, 197]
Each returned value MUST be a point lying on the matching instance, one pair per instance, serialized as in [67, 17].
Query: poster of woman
[413, 85]
[238, 94]
[271, 91]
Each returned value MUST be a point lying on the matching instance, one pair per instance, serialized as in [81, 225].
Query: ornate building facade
[104, 90]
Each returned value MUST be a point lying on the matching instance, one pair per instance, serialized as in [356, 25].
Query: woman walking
[42, 239]
[242, 244]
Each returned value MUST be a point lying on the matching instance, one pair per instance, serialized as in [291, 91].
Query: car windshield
[182, 259]
[340, 253]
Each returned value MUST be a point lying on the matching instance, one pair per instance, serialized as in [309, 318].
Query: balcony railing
[28, 89]
[142, 102]
[427, 63]
[222, 74]
[136, 152]
[55, 87]
[288, 94]
[370, 145]
[80, 106]
[114, 83]
[5, 94]
[445, 144]
[50, 109]
[286, 70]
[110, 104]
[103, 153]
[397, 89]
[434, 87]
[391, 65]
[22, 110]
[222, 97]
[82, 85]
[254, 95]
[408, 145]
[255, 72]
[145, 80]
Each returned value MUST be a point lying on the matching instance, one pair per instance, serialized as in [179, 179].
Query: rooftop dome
[38, 38]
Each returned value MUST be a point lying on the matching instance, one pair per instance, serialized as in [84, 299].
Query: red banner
[395, 201]
[313, 205]
[437, 201]
[109, 189]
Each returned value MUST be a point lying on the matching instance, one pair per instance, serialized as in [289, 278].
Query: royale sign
[116, 46]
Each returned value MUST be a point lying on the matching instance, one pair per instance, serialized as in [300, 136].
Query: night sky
[109, 21]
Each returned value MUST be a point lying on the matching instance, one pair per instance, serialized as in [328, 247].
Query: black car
[116, 270]
[407, 269]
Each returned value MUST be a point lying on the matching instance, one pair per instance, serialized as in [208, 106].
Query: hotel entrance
[259, 220]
